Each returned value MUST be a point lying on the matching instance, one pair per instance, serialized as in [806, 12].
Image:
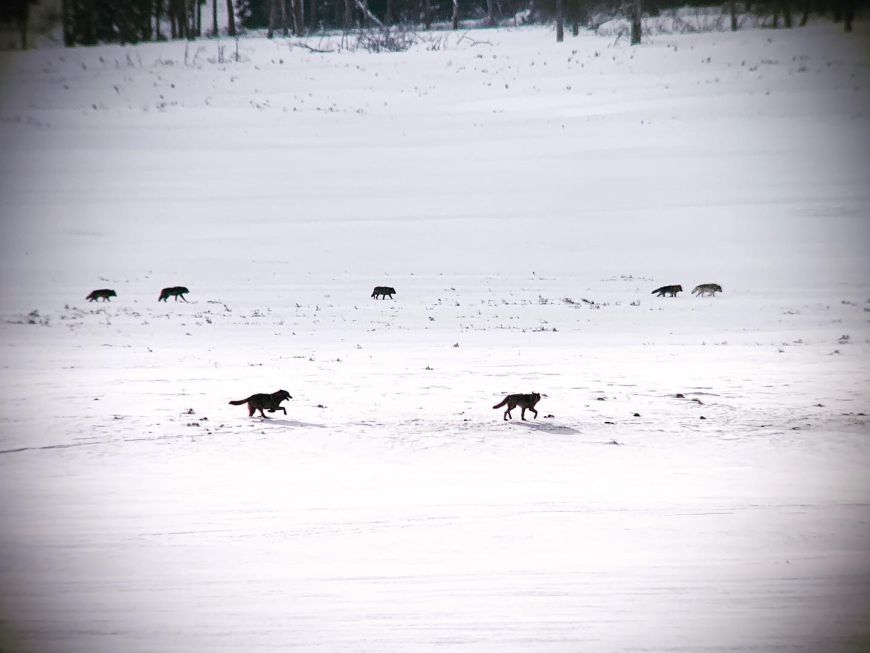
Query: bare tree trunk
[348, 14]
[786, 13]
[23, 20]
[192, 25]
[170, 13]
[363, 6]
[271, 7]
[490, 12]
[560, 22]
[427, 14]
[312, 14]
[215, 31]
[68, 39]
[198, 18]
[183, 19]
[805, 15]
[454, 22]
[295, 10]
[732, 9]
[636, 11]
[848, 14]
[231, 19]
[158, 17]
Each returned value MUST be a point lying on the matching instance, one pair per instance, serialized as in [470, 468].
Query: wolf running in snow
[523, 401]
[174, 291]
[669, 290]
[105, 294]
[270, 402]
[707, 289]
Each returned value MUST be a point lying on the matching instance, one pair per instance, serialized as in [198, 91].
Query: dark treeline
[87, 22]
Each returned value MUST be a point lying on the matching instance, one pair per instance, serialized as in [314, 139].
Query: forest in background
[89, 22]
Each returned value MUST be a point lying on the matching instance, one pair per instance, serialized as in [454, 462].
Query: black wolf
[176, 291]
[383, 291]
[270, 402]
[523, 401]
[105, 294]
[669, 290]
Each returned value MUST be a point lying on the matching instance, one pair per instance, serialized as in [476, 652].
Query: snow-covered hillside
[696, 479]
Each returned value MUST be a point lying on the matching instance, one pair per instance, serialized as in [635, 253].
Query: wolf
[105, 294]
[707, 289]
[270, 402]
[383, 291]
[670, 290]
[523, 401]
[176, 291]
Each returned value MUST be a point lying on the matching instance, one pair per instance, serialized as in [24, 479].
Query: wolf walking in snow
[383, 291]
[669, 290]
[105, 294]
[707, 289]
[174, 291]
[523, 401]
[270, 402]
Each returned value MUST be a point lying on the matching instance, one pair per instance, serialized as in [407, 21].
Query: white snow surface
[497, 181]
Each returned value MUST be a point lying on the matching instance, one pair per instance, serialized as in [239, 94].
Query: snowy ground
[496, 182]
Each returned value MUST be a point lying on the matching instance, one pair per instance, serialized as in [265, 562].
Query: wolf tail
[239, 402]
[503, 402]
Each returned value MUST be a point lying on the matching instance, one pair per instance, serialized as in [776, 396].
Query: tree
[635, 11]
[17, 12]
[783, 6]
[560, 22]
[231, 19]
[312, 13]
[454, 21]
[158, 10]
[66, 23]
[805, 13]
[427, 14]
[490, 12]
[276, 10]
[732, 9]
[298, 7]
[848, 10]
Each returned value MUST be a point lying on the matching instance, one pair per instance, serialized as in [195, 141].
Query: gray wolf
[707, 289]
[270, 402]
[670, 290]
[383, 291]
[105, 294]
[174, 291]
[523, 401]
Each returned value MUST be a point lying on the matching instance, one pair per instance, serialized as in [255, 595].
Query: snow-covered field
[523, 197]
